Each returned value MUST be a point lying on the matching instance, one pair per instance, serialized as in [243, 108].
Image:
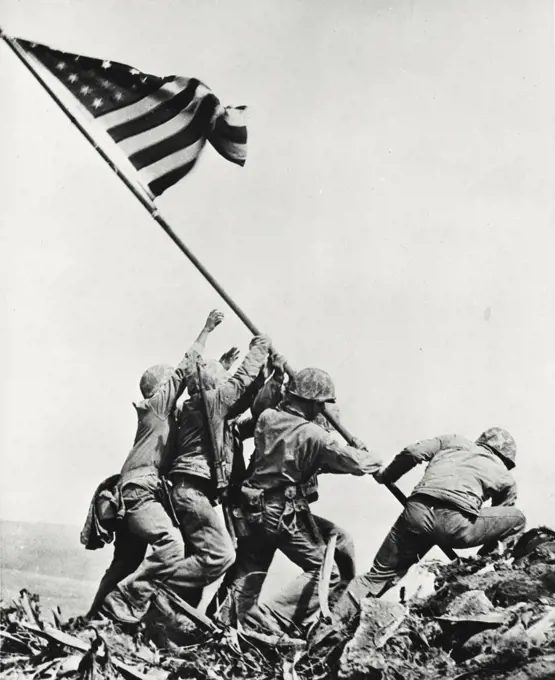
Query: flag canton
[160, 124]
[100, 85]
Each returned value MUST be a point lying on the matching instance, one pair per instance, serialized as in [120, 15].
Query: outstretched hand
[214, 319]
[229, 358]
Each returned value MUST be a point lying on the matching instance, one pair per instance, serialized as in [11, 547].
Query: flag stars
[73, 78]
[134, 72]
[84, 89]
[97, 103]
[61, 65]
[106, 64]
[118, 96]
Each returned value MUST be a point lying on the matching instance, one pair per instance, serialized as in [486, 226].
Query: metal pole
[146, 202]
[153, 210]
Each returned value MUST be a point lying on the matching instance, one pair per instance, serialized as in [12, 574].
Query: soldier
[106, 522]
[289, 450]
[445, 507]
[243, 582]
[203, 428]
[146, 519]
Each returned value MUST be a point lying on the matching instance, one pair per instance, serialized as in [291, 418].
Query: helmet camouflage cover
[312, 384]
[153, 378]
[502, 442]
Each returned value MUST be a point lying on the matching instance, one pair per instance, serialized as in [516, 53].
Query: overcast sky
[393, 225]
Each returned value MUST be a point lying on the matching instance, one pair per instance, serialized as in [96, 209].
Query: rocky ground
[488, 618]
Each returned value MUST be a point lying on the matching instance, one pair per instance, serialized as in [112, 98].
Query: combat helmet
[502, 442]
[153, 378]
[312, 384]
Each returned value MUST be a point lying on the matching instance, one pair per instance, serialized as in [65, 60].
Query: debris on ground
[490, 618]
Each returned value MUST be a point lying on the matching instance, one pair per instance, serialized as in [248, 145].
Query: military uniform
[147, 522]
[445, 508]
[289, 451]
[191, 473]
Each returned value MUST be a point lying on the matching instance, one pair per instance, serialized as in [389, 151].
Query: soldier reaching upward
[146, 518]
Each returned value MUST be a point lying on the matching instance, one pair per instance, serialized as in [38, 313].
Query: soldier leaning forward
[289, 450]
[445, 508]
[241, 586]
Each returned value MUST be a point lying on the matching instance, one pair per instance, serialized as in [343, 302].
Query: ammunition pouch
[253, 504]
[240, 522]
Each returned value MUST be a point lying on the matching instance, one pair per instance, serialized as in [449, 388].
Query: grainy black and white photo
[279, 339]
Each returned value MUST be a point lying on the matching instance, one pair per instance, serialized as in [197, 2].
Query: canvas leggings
[287, 525]
[426, 522]
[149, 523]
[243, 582]
[129, 552]
[210, 550]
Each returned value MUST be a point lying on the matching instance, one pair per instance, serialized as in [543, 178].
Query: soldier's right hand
[214, 319]
[260, 341]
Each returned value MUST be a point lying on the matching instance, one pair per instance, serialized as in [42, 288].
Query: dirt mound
[489, 619]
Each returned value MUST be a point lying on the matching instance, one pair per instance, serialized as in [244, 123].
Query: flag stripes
[160, 124]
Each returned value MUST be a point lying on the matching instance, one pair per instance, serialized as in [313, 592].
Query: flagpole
[149, 204]
[145, 201]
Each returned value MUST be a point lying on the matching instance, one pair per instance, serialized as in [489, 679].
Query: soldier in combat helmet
[445, 508]
[290, 448]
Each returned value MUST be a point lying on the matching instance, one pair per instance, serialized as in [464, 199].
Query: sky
[393, 225]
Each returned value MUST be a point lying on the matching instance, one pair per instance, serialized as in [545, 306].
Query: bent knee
[171, 544]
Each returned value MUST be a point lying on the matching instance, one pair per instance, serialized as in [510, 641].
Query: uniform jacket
[155, 424]
[459, 471]
[194, 454]
[290, 449]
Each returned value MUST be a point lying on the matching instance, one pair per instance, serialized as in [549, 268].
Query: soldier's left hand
[229, 358]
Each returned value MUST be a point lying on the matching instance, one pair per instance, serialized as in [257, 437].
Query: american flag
[160, 124]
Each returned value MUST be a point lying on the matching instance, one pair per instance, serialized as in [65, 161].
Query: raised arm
[163, 401]
[231, 391]
[214, 319]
